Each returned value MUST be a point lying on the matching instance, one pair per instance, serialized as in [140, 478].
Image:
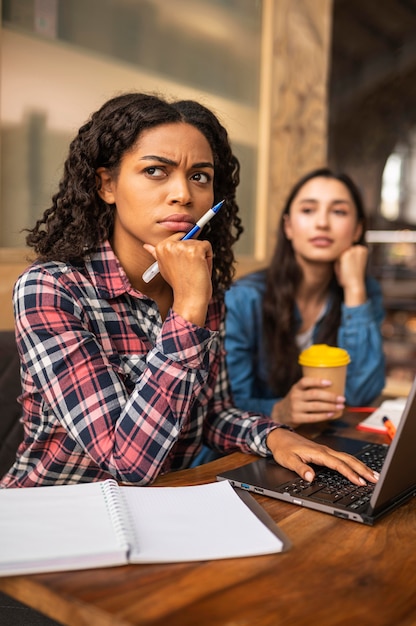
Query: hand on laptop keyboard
[296, 452]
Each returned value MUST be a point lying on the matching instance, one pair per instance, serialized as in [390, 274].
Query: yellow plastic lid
[321, 355]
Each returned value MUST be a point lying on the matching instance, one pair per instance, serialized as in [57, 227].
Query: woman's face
[164, 185]
[322, 221]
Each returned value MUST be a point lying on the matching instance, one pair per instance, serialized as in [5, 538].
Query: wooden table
[336, 573]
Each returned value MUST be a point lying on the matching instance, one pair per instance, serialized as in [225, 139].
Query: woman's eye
[201, 177]
[154, 171]
[340, 211]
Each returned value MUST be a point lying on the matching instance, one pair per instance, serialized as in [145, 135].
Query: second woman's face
[164, 185]
[322, 221]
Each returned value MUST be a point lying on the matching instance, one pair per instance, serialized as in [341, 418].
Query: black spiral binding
[119, 514]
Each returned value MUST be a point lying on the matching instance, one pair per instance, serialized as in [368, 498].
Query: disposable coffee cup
[326, 362]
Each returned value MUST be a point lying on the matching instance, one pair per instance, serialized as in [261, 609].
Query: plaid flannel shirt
[111, 390]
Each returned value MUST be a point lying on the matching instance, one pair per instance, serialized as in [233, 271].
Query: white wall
[67, 84]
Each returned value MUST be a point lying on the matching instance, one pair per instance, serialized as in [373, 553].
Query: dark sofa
[11, 430]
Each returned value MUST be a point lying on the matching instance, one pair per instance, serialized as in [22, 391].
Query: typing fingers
[296, 453]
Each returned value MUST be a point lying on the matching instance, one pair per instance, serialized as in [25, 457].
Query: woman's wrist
[281, 413]
[355, 295]
[272, 440]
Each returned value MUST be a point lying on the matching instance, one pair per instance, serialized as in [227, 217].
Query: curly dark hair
[283, 278]
[79, 220]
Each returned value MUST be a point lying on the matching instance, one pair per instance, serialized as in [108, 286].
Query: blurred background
[297, 83]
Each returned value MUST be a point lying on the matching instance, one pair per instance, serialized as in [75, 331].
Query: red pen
[390, 427]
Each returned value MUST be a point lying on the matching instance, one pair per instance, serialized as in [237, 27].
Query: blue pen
[153, 270]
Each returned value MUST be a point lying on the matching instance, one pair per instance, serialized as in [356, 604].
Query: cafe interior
[298, 83]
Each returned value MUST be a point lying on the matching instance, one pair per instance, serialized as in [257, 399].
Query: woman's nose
[179, 192]
[322, 220]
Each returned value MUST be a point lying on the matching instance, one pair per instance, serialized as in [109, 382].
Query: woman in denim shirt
[314, 291]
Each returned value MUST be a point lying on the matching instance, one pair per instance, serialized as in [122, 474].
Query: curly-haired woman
[123, 377]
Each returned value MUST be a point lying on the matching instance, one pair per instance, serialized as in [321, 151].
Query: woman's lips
[321, 242]
[178, 223]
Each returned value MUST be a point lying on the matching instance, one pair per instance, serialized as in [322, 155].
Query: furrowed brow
[166, 161]
[154, 157]
[203, 164]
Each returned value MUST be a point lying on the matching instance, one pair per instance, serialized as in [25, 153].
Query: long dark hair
[283, 278]
[79, 220]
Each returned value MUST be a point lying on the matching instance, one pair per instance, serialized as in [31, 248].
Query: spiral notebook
[100, 524]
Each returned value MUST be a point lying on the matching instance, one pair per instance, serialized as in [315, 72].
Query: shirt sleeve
[360, 334]
[126, 434]
[228, 428]
[243, 343]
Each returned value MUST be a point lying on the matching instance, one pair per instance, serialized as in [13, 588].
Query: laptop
[334, 494]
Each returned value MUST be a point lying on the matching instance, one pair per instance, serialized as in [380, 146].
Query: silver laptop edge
[397, 481]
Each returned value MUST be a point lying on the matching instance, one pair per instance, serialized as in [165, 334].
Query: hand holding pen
[153, 270]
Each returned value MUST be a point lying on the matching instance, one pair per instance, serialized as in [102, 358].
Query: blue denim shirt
[359, 334]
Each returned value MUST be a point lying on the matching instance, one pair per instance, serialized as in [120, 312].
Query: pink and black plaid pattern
[109, 389]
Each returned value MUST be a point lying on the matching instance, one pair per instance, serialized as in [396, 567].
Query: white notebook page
[63, 526]
[195, 523]
[392, 408]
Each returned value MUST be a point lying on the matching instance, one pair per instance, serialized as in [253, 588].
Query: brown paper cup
[328, 362]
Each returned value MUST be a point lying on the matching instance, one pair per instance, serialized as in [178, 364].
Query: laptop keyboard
[332, 488]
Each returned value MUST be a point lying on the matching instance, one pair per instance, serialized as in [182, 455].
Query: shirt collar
[107, 273]
[327, 306]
